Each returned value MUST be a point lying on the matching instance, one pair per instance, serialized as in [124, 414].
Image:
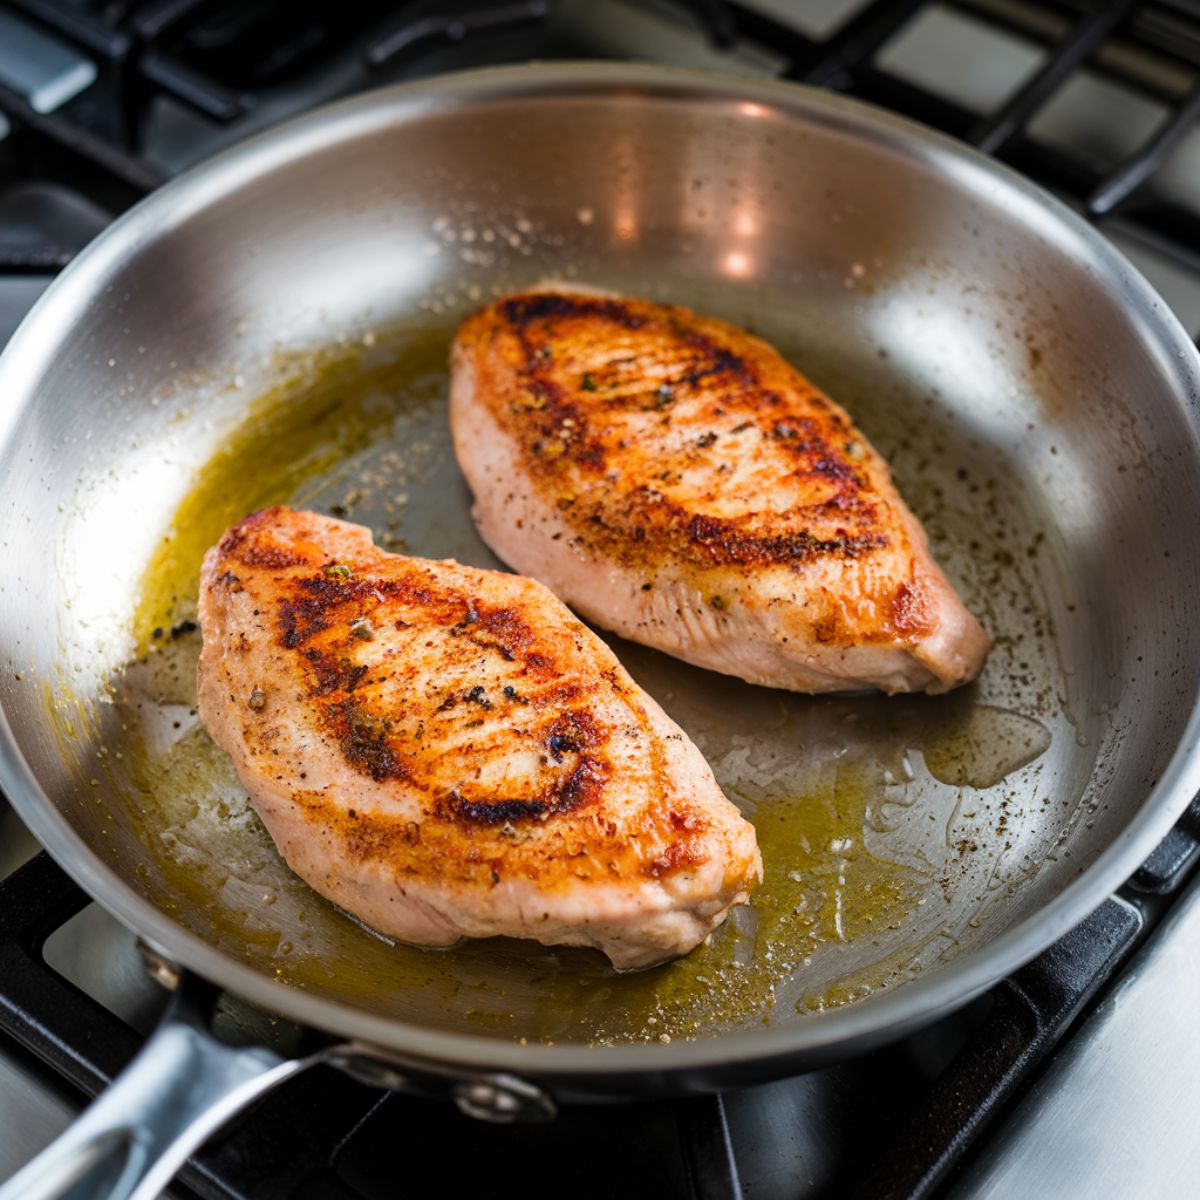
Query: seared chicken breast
[447, 752]
[674, 479]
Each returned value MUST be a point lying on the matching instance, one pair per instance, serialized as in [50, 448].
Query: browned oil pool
[887, 825]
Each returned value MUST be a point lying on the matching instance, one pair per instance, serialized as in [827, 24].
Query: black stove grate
[222, 58]
[1166, 33]
[323, 1134]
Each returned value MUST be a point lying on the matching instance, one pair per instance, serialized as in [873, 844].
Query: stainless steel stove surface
[102, 99]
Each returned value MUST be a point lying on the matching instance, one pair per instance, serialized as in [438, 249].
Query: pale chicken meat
[447, 752]
[675, 480]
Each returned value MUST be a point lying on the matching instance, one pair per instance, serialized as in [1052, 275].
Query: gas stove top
[1072, 1078]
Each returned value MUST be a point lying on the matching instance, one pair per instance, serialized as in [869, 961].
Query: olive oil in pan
[332, 406]
[835, 786]
[822, 887]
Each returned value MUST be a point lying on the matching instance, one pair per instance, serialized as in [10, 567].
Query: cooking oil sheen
[869, 810]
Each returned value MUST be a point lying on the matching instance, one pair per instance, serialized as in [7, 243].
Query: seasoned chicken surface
[675, 480]
[447, 752]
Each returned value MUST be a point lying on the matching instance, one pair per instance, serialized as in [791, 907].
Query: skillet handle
[181, 1087]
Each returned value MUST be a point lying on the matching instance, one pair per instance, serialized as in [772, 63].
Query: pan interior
[897, 833]
[882, 820]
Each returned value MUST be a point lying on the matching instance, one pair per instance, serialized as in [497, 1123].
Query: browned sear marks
[674, 479]
[479, 739]
[610, 383]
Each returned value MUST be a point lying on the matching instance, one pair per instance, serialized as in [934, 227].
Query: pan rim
[840, 1031]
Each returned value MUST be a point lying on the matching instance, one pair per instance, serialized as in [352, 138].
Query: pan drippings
[886, 824]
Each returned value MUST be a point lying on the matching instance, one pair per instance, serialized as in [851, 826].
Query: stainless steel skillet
[273, 326]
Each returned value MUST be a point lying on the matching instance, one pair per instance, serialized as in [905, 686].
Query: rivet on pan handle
[503, 1100]
[496, 1097]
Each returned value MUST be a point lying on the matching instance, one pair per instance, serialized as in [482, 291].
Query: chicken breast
[447, 752]
[673, 479]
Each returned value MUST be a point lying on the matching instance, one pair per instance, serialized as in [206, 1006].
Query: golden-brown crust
[675, 480]
[378, 653]
[640, 422]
